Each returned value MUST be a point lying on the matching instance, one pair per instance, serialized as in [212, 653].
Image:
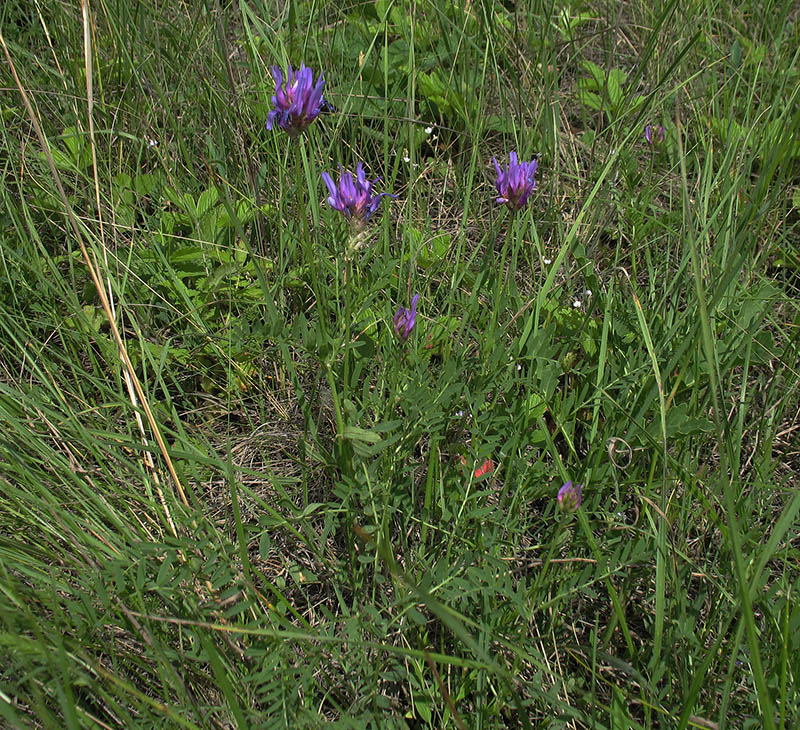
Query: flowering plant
[405, 319]
[569, 497]
[297, 102]
[353, 196]
[653, 135]
[516, 182]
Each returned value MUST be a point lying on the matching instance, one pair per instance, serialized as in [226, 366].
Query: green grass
[231, 497]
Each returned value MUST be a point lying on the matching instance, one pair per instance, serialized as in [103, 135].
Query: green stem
[516, 244]
[346, 328]
[301, 164]
[500, 277]
[292, 29]
[619, 611]
[550, 553]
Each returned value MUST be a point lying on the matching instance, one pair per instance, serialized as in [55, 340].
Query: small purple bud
[405, 319]
[569, 497]
[516, 182]
[353, 196]
[297, 102]
[654, 136]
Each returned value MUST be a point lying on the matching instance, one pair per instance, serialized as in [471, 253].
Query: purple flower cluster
[297, 102]
[654, 136]
[569, 497]
[516, 182]
[404, 319]
[353, 196]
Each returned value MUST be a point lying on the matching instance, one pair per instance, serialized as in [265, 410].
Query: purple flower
[404, 319]
[296, 103]
[569, 497]
[353, 196]
[654, 135]
[516, 182]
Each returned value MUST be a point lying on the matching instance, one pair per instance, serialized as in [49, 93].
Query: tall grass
[232, 497]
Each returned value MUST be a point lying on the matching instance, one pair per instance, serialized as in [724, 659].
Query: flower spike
[569, 497]
[654, 136]
[296, 103]
[405, 319]
[353, 196]
[516, 182]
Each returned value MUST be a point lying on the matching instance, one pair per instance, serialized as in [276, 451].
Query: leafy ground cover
[245, 483]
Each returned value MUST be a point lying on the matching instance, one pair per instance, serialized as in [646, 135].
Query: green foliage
[378, 44]
[358, 531]
[605, 91]
[570, 19]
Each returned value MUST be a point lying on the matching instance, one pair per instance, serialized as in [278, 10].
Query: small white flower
[577, 304]
[548, 261]
[406, 159]
[588, 292]
[459, 414]
[519, 367]
[152, 143]
[428, 130]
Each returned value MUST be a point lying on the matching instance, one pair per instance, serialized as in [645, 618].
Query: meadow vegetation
[248, 480]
